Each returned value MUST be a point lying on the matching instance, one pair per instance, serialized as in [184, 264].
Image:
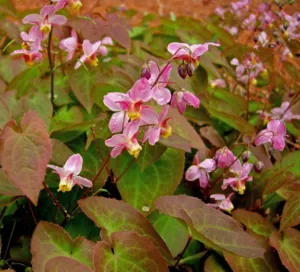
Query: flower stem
[31, 211]
[125, 170]
[51, 66]
[183, 251]
[55, 202]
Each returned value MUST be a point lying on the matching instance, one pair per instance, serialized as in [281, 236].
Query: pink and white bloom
[220, 12]
[70, 45]
[189, 53]
[274, 133]
[103, 51]
[233, 30]
[46, 19]
[160, 93]
[30, 56]
[250, 22]
[130, 105]
[126, 141]
[90, 51]
[74, 4]
[182, 98]
[263, 39]
[201, 171]
[69, 174]
[241, 172]
[222, 202]
[284, 113]
[160, 128]
[32, 39]
[267, 19]
[237, 7]
[218, 83]
[224, 157]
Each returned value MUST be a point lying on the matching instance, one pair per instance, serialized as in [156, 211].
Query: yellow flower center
[133, 115]
[45, 28]
[254, 82]
[286, 34]
[134, 149]
[93, 61]
[25, 46]
[241, 187]
[76, 5]
[65, 185]
[230, 208]
[166, 131]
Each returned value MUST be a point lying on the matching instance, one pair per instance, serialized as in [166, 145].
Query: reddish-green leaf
[287, 244]
[212, 265]
[290, 162]
[50, 241]
[63, 264]
[141, 189]
[5, 114]
[254, 222]
[128, 251]
[25, 153]
[169, 227]
[220, 229]
[60, 152]
[291, 213]
[7, 187]
[114, 215]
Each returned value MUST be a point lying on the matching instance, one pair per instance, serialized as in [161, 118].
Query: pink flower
[30, 56]
[130, 105]
[160, 93]
[218, 83]
[71, 45]
[220, 12]
[103, 51]
[249, 22]
[182, 98]
[274, 133]
[189, 53]
[222, 202]
[74, 4]
[286, 53]
[241, 173]
[160, 128]
[127, 140]
[69, 174]
[89, 54]
[232, 30]
[46, 19]
[263, 39]
[239, 5]
[284, 113]
[267, 19]
[201, 171]
[224, 157]
[32, 39]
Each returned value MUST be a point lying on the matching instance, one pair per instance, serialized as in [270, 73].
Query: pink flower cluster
[224, 158]
[249, 69]
[133, 111]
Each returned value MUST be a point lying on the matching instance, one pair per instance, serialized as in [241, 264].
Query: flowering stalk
[51, 67]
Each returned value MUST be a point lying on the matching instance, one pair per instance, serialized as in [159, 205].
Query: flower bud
[246, 155]
[146, 73]
[190, 69]
[258, 166]
[182, 70]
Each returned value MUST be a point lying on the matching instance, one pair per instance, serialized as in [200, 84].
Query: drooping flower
[69, 174]
[224, 157]
[222, 202]
[70, 45]
[182, 98]
[201, 171]
[283, 113]
[189, 53]
[46, 19]
[103, 51]
[74, 4]
[218, 83]
[89, 54]
[241, 173]
[274, 133]
[32, 39]
[160, 93]
[30, 56]
[125, 141]
[250, 22]
[160, 128]
[130, 104]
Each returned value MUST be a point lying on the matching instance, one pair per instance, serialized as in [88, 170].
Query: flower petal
[116, 140]
[192, 173]
[48, 10]
[32, 19]
[149, 116]
[191, 99]
[203, 178]
[208, 165]
[111, 98]
[131, 128]
[152, 135]
[74, 164]
[58, 20]
[200, 49]
[180, 49]
[116, 151]
[265, 136]
[141, 91]
[87, 47]
[218, 197]
[117, 121]
[162, 96]
[83, 182]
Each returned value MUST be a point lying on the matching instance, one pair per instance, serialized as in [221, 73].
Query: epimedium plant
[171, 146]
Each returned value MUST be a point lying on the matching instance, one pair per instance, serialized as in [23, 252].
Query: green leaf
[287, 244]
[218, 228]
[63, 264]
[8, 7]
[168, 228]
[81, 82]
[21, 252]
[212, 264]
[290, 162]
[60, 152]
[25, 154]
[50, 241]
[200, 80]
[23, 82]
[254, 222]
[291, 213]
[141, 189]
[113, 215]
[149, 155]
[128, 251]
[5, 114]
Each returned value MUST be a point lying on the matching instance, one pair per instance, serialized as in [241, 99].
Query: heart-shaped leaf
[215, 226]
[25, 153]
[128, 251]
[50, 241]
[7, 187]
[291, 213]
[63, 264]
[114, 215]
